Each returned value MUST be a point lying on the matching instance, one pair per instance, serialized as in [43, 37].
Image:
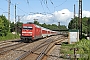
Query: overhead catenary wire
[61, 4]
[28, 3]
[52, 4]
[32, 8]
[45, 2]
[42, 1]
[42, 5]
[2, 9]
[17, 7]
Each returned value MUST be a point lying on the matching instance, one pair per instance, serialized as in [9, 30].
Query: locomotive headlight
[22, 34]
[30, 34]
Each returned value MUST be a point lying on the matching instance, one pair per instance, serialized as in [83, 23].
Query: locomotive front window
[27, 27]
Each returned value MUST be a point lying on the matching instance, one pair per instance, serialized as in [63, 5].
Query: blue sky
[51, 10]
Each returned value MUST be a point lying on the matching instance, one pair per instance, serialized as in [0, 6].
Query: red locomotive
[32, 32]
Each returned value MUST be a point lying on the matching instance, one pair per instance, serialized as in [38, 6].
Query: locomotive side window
[27, 27]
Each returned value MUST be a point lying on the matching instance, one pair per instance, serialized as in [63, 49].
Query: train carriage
[49, 32]
[54, 33]
[44, 32]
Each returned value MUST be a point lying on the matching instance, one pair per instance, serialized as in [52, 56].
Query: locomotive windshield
[27, 27]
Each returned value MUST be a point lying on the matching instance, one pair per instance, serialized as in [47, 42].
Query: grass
[9, 37]
[65, 48]
[83, 49]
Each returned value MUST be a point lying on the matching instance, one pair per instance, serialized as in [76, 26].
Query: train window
[27, 27]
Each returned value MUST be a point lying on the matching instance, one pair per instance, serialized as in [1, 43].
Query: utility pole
[18, 23]
[80, 19]
[18, 18]
[15, 13]
[15, 20]
[74, 16]
[74, 11]
[59, 26]
[9, 13]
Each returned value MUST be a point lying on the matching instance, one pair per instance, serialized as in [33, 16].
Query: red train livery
[32, 32]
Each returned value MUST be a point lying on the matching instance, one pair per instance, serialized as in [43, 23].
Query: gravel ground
[12, 55]
[55, 53]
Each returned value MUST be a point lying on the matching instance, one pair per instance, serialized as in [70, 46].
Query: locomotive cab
[27, 32]
[30, 32]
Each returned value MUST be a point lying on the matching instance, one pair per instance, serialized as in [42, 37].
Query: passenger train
[31, 32]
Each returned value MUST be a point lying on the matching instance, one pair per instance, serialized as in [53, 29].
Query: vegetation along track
[7, 48]
[38, 52]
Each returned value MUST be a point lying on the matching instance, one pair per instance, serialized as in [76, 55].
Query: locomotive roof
[44, 28]
[38, 26]
[29, 23]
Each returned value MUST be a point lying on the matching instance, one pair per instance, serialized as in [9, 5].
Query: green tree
[36, 22]
[54, 27]
[4, 26]
[12, 26]
[88, 29]
[44, 25]
[84, 24]
[19, 26]
[74, 24]
[63, 27]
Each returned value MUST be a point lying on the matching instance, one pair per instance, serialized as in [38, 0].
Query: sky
[45, 11]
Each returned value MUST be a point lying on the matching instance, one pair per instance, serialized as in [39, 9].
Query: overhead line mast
[74, 11]
[9, 13]
[74, 16]
[9, 9]
[80, 19]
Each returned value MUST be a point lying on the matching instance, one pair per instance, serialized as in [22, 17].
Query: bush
[9, 37]
[83, 47]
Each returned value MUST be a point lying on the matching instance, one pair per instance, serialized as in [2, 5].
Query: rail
[38, 47]
[8, 48]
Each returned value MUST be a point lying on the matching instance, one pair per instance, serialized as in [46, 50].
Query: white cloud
[63, 16]
[86, 13]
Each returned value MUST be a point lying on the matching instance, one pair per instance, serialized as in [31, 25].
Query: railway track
[38, 52]
[7, 42]
[8, 48]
